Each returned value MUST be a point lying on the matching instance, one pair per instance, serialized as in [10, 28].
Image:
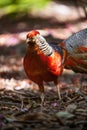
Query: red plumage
[45, 62]
[32, 33]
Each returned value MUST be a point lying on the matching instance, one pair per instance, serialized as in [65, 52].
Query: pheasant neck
[46, 49]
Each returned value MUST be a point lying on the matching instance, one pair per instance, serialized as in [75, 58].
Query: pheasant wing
[76, 46]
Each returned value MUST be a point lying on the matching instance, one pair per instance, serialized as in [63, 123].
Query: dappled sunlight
[20, 103]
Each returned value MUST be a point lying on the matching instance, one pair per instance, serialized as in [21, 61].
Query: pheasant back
[76, 46]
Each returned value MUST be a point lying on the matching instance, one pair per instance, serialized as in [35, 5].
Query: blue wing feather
[76, 46]
[76, 40]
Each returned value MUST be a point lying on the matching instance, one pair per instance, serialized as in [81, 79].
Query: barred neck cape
[46, 48]
[49, 48]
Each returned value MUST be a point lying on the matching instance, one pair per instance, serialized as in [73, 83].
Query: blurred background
[23, 15]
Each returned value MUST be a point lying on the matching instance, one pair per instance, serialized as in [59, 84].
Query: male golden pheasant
[44, 62]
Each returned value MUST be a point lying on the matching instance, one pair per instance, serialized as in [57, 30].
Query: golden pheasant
[44, 62]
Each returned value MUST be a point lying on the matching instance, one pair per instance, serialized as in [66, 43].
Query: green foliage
[4, 3]
[12, 6]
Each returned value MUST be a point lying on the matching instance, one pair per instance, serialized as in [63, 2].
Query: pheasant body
[42, 63]
[45, 61]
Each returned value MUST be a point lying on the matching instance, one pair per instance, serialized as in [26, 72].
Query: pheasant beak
[30, 40]
[27, 40]
[32, 37]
